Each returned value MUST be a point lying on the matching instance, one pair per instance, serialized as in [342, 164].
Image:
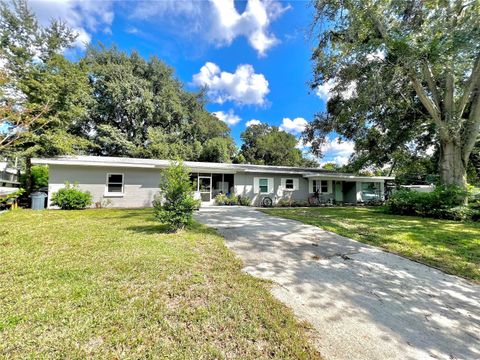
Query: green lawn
[110, 284]
[451, 246]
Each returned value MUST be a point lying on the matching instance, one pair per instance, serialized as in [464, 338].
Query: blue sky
[253, 55]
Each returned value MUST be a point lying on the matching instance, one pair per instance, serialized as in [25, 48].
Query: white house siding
[140, 185]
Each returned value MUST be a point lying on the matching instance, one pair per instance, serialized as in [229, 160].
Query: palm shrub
[71, 198]
[175, 204]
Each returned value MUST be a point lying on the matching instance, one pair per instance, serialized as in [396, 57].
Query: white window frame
[260, 186]
[117, 194]
[293, 184]
[317, 185]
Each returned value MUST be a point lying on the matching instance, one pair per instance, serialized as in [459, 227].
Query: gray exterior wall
[244, 186]
[140, 185]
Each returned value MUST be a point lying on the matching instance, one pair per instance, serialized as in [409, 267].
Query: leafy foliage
[174, 205]
[445, 202]
[404, 79]
[71, 198]
[39, 177]
[268, 145]
[141, 110]
[232, 199]
[244, 201]
[45, 95]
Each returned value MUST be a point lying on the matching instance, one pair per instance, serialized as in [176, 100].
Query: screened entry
[209, 185]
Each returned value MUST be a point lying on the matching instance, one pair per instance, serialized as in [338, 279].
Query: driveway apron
[364, 303]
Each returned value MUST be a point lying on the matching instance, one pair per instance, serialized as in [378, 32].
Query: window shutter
[330, 186]
[256, 185]
[310, 186]
[284, 183]
[295, 184]
[270, 185]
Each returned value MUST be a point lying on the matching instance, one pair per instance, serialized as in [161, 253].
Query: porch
[352, 190]
[208, 185]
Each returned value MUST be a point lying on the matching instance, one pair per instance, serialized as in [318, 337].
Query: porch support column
[359, 191]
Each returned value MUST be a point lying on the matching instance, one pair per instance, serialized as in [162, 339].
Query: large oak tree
[404, 74]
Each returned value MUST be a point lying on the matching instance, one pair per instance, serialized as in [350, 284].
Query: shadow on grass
[158, 228]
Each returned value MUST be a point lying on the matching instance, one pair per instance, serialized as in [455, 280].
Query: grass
[451, 246]
[111, 284]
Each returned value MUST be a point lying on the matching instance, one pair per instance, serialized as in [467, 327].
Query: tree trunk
[452, 166]
[28, 175]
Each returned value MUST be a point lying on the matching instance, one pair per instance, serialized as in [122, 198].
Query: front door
[205, 188]
[338, 191]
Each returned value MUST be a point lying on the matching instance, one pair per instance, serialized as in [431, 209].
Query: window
[320, 186]
[115, 183]
[289, 184]
[263, 185]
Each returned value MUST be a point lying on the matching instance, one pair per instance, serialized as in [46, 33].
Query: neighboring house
[8, 179]
[419, 188]
[131, 182]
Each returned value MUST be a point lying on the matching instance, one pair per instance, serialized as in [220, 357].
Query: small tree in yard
[175, 204]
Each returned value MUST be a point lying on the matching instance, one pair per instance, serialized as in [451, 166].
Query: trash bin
[38, 200]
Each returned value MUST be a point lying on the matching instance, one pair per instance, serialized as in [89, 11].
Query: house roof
[104, 161]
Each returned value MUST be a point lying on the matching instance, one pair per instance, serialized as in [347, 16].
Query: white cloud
[229, 117]
[243, 87]
[344, 148]
[295, 126]
[324, 90]
[341, 160]
[302, 145]
[252, 122]
[338, 152]
[430, 150]
[327, 90]
[83, 16]
[219, 20]
[378, 54]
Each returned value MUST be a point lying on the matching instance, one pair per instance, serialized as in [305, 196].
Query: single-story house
[8, 179]
[128, 182]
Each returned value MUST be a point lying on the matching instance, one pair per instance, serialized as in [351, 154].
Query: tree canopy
[268, 145]
[141, 110]
[404, 78]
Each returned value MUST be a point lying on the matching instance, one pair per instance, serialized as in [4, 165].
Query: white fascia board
[90, 163]
[348, 177]
[210, 170]
[73, 162]
[267, 171]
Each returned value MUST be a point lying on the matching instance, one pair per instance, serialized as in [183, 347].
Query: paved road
[363, 302]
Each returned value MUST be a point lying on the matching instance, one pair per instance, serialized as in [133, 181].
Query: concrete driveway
[363, 302]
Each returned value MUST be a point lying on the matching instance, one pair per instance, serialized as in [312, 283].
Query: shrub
[221, 199]
[244, 201]
[232, 200]
[71, 198]
[174, 205]
[284, 203]
[460, 213]
[437, 203]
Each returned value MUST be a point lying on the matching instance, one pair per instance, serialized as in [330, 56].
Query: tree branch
[472, 83]
[472, 128]
[427, 102]
[449, 91]
[432, 85]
